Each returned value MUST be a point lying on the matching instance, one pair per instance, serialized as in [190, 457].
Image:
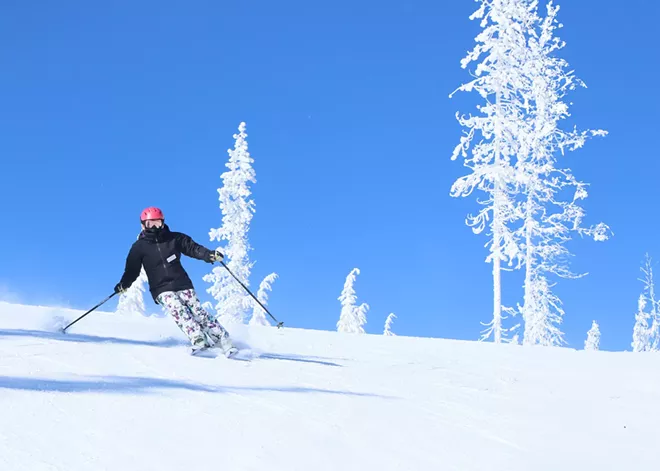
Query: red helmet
[151, 213]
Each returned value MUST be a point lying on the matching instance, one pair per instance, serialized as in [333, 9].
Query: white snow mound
[121, 392]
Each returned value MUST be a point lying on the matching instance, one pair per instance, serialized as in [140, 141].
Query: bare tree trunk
[497, 300]
[528, 308]
[496, 248]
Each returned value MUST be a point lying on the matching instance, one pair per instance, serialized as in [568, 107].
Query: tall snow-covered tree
[258, 314]
[549, 218]
[641, 332]
[492, 136]
[593, 337]
[232, 302]
[132, 300]
[352, 317]
[654, 304]
[646, 338]
[654, 334]
[388, 325]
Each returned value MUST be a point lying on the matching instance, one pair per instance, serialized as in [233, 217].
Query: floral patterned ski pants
[193, 320]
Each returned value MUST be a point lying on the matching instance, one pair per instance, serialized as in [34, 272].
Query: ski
[212, 352]
[197, 351]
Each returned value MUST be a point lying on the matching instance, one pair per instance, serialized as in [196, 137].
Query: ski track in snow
[122, 392]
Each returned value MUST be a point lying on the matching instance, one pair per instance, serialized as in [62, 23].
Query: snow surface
[120, 392]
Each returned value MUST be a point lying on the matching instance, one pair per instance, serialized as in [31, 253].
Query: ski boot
[223, 342]
[199, 345]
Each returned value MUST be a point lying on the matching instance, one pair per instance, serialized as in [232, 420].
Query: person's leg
[183, 317]
[210, 326]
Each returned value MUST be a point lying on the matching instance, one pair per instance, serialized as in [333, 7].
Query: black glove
[215, 256]
[119, 289]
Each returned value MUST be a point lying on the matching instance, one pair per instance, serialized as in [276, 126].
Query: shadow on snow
[42, 334]
[140, 385]
[299, 358]
[166, 343]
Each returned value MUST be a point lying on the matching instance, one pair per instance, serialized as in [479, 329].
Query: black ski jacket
[160, 254]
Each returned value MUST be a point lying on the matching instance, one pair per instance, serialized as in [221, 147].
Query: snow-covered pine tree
[132, 300]
[352, 317]
[548, 220]
[501, 48]
[645, 337]
[654, 305]
[388, 325]
[641, 333]
[654, 334]
[237, 209]
[593, 337]
[258, 314]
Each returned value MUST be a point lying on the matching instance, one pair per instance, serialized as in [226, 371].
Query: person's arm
[189, 247]
[131, 271]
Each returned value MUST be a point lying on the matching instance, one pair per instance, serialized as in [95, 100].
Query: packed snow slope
[121, 392]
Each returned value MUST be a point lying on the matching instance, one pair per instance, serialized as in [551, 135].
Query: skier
[159, 250]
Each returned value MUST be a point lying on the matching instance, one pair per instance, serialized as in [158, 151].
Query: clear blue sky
[108, 107]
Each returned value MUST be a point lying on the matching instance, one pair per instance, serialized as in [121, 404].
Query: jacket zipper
[161, 256]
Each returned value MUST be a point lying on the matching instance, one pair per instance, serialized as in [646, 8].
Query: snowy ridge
[120, 392]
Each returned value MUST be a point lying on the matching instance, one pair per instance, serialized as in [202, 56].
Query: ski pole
[99, 304]
[279, 324]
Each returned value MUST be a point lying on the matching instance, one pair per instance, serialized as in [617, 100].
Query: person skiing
[159, 251]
